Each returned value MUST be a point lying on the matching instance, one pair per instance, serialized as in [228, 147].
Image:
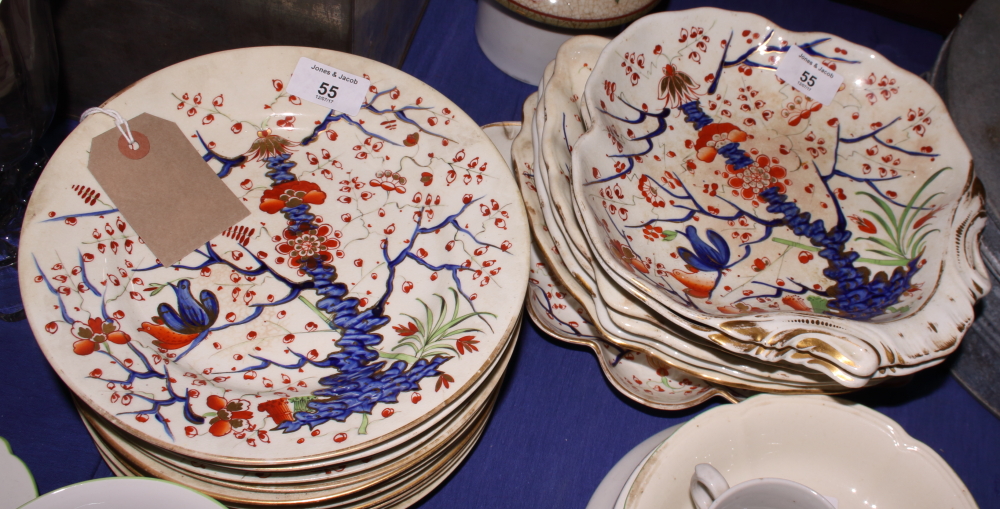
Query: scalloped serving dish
[565, 121]
[694, 181]
[721, 368]
[405, 216]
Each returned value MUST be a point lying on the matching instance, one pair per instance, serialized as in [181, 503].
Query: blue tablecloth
[558, 426]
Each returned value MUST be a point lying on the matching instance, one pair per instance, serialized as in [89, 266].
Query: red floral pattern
[715, 136]
[95, 332]
[291, 194]
[751, 180]
[230, 414]
[799, 109]
[650, 192]
[628, 257]
[309, 248]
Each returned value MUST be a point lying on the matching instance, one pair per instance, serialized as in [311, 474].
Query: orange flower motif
[291, 194]
[229, 415]
[698, 285]
[628, 257]
[165, 337]
[760, 175]
[95, 332]
[715, 136]
[864, 224]
[309, 248]
[389, 181]
[797, 303]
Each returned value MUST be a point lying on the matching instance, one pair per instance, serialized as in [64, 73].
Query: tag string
[120, 122]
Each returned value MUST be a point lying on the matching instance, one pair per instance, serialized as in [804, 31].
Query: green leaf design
[819, 304]
[904, 243]
[669, 235]
[435, 333]
[158, 288]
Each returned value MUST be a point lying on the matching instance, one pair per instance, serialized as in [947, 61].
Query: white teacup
[709, 490]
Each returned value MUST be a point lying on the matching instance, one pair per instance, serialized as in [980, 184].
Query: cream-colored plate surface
[840, 449]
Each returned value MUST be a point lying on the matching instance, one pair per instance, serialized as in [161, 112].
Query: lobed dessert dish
[549, 202]
[716, 162]
[734, 228]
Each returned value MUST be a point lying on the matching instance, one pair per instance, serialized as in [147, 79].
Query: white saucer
[617, 479]
[840, 449]
[16, 484]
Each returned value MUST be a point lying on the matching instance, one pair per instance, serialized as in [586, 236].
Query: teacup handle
[707, 484]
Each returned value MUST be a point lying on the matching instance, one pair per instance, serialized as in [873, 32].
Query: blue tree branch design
[809, 48]
[399, 113]
[857, 294]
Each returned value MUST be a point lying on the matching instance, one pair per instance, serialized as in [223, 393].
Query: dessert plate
[565, 123]
[812, 440]
[523, 159]
[317, 315]
[299, 478]
[695, 176]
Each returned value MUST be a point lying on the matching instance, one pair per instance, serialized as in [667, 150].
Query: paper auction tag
[328, 86]
[809, 76]
[172, 198]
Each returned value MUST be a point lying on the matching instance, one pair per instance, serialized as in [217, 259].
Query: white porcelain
[16, 483]
[415, 158]
[709, 490]
[839, 449]
[616, 480]
[520, 48]
[885, 134]
[123, 493]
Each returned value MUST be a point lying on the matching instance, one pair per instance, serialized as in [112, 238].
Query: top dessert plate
[564, 124]
[846, 232]
[367, 274]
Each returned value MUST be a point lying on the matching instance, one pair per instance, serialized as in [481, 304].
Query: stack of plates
[694, 214]
[343, 345]
[811, 440]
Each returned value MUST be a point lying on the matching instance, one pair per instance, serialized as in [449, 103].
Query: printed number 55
[331, 93]
[806, 79]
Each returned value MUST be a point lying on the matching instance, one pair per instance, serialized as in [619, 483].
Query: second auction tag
[328, 86]
[163, 188]
[809, 76]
